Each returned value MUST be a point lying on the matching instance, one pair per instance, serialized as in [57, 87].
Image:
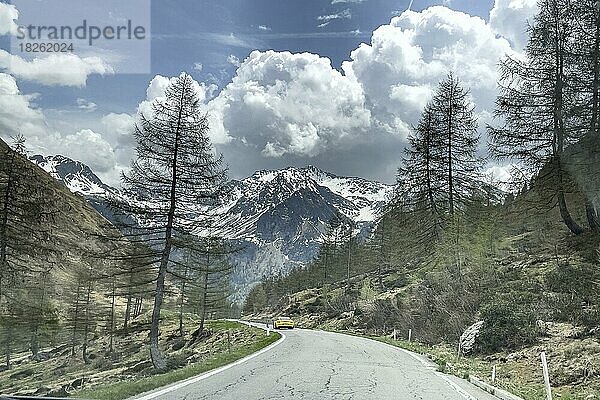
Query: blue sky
[211, 40]
[184, 34]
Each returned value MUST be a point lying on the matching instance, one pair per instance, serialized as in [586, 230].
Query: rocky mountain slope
[277, 217]
[75, 225]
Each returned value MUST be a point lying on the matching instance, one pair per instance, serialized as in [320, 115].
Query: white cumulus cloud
[233, 60]
[288, 107]
[408, 57]
[86, 105]
[17, 113]
[8, 15]
[345, 14]
[509, 18]
[282, 108]
[284, 103]
[64, 69]
[90, 148]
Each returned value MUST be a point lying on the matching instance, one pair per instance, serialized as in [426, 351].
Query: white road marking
[454, 386]
[206, 375]
[427, 364]
[430, 366]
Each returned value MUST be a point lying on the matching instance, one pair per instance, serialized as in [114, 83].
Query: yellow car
[283, 322]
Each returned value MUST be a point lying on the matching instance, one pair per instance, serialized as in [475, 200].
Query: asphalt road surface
[321, 365]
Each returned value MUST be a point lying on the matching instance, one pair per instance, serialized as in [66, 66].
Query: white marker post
[494, 374]
[268, 331]
[409, 335]
[394, 334]
[546, 376]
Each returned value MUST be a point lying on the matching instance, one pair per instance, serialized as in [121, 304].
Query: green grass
[223, 325]
[123, 390]
[446, 359]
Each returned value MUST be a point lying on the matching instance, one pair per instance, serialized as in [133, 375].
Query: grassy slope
[76, 223]
[532, 245]
[123, 390]
[520, 374]
[127, 371]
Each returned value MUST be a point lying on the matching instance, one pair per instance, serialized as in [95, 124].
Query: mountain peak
[308, 171]
[75, 175]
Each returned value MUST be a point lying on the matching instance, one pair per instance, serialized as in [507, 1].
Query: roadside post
[546, 376]
[228, 341]
[394, 334]
[494, 374]
[409, 335]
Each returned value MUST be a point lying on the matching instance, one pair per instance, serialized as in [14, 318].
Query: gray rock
[467, 339]
[77, 383]
[58, 392]
[41, 356]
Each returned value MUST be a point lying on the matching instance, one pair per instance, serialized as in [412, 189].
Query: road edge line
[428, 364]
[181, 384]
[493, 390]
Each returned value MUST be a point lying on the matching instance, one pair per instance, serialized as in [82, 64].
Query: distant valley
[277, 218]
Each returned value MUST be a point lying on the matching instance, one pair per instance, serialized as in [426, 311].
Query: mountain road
[307, 364]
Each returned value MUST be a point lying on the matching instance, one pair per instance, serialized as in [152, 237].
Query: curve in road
[308, 364]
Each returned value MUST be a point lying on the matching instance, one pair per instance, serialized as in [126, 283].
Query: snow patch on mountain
[278, 217]
[75, 175]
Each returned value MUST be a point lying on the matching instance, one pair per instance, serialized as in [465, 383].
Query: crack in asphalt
[316, 365]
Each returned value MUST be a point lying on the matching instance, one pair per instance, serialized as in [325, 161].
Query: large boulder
[467, 339]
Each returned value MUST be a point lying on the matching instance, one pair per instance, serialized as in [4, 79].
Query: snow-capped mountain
[75, 175]
[278, 217]
[307, 194]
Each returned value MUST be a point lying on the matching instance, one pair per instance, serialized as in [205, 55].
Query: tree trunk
[128, 308]
[450, 166]
[326, 263]
[348, 262]
[590, 210]
[158, 359]
[75, 319]
[182, 301]
[112, 319]
[595, 126]
[592, 216]
[35, 346]
[559, 130]
[7, 349]
[381, 253]
[204, 301]
[428, 162]
[566, 215]
[4, 230]
[137, 307]
[205, 289]
[86, 326]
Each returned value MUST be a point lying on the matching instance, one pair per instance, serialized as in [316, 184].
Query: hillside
[111, 375]
[53, 238]
[76, 224]
[534, 286]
